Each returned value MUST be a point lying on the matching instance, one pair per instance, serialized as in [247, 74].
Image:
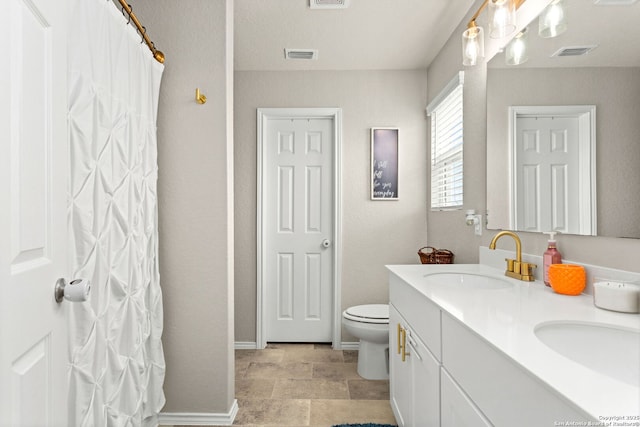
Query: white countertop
[506, 319]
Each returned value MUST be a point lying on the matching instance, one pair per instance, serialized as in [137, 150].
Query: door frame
[586, 115]
[263, 117]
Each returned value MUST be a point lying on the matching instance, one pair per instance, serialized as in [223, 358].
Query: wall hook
[200, 98]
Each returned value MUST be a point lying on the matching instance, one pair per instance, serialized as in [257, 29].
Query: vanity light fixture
[502, 22]
[553, 20]
[516, 51]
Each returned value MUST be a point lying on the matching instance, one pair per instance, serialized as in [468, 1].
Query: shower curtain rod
[158, 55]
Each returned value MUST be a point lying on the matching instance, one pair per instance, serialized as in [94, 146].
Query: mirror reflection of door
[551, 165]
[547, 174]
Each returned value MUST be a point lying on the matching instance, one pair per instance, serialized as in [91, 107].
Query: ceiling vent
[574, 50]
[328, 4]
[301, 54]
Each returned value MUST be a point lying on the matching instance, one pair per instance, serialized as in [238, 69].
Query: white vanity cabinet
[422, 393]
[415, 376]
[414, 351]
[454, 373]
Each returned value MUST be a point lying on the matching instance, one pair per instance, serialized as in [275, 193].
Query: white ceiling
[369, 35]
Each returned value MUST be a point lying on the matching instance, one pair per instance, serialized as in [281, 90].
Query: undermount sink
[610, 350]
[467, 281]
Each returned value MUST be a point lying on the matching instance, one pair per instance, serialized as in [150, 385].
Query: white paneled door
[298, 229]
[33, 202]
[547, 173]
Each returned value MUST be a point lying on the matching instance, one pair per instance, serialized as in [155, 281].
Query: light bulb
[553, 20]
[516, 51]
[472, 45]
[471, 51]
[502, 18]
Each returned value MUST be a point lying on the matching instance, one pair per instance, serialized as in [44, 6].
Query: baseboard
[199, 418]
[245, 345]
[248, 345]
[353, 345]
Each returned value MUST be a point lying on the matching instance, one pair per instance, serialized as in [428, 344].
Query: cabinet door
[457, 409]
[400, 381]
[531, 402]
[418, 311]
[425, 370]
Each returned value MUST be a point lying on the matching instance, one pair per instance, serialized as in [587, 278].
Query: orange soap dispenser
[550, 256]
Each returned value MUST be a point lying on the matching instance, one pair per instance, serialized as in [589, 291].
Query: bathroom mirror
[606, 81]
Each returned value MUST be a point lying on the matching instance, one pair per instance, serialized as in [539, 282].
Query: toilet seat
[368, 313]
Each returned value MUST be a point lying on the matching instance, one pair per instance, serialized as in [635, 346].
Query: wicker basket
[431, 255]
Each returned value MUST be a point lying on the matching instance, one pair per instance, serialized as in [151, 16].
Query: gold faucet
[515, 268]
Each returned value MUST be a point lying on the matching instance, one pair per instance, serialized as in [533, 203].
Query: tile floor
[306, 385]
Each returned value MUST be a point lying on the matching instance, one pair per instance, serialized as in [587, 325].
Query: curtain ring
[128, 15]
[142, 33]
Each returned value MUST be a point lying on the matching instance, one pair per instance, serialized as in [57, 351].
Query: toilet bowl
[370, 324]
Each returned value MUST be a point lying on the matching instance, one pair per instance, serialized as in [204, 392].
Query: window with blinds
[446, 146]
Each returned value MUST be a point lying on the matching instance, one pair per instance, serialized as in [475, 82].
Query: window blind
[446, 147]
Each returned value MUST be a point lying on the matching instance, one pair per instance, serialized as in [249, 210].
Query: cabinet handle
[399, 338]
[404, 345]
[414, 351]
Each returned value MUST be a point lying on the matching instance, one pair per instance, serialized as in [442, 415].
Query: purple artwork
[384, 164]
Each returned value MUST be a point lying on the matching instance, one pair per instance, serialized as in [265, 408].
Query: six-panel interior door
[299, 225]
[547, 173]
[33, 205]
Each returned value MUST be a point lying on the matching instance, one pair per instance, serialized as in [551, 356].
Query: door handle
[326, 243]
[76, 291]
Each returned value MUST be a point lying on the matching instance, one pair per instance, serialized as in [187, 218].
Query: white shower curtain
[117, 363]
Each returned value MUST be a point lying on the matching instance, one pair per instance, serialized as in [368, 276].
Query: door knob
[326, 243]
[76, 291]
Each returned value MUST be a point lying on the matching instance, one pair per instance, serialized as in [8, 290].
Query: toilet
[370, 324]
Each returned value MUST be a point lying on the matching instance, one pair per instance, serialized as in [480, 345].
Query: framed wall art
[384, 163]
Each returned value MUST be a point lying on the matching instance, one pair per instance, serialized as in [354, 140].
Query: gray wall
[375, 233]
[195, 144]
[446, 227]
